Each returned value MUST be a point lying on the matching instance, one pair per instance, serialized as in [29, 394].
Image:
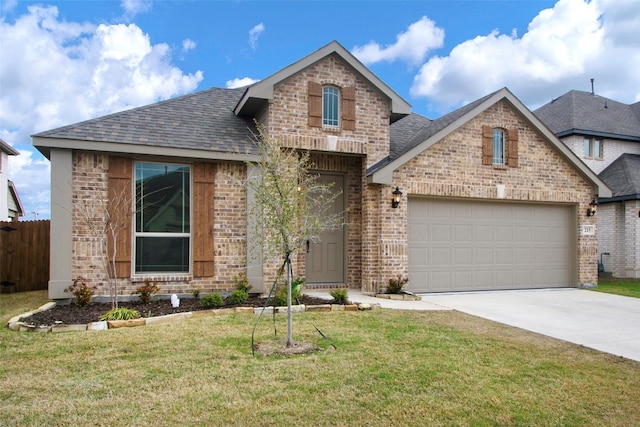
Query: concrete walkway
[608, 323]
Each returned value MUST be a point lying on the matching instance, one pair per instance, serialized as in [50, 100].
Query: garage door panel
[483, 245]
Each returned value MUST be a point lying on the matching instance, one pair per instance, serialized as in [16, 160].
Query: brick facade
[453, 168]
[376, 234]
[619, 237]
[89, 247]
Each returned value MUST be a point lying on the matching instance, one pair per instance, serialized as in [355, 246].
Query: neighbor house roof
[202, 121]
[584, 113]
[8, 149]
[408, 144]
[259, 94]
[623, 178]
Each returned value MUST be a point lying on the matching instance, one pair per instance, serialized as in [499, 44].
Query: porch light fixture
[593, 207]
[395, 201]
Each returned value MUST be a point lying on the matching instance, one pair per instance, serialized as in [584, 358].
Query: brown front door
[325, 260]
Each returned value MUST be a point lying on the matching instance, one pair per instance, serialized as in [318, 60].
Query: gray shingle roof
[414, 129]
[623, 177]
[202, 120]
[582, 113]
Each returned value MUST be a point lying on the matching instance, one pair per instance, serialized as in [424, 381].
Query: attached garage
[461, 245]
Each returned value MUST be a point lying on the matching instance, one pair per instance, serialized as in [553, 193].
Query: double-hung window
[498, 147]
[330, 106]
[593, 148]
[163, 218]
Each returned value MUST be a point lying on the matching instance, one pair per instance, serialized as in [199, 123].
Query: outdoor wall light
[593, 207]
[395, 201]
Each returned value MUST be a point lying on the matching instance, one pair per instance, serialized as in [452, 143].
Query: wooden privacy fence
[24, 256]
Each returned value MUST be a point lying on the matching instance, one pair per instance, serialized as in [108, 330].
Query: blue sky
[62, 62]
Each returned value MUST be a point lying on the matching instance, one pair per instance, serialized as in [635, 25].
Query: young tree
[291, 207]
[106, 219]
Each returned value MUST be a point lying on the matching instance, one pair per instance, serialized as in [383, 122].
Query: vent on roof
[592, 89]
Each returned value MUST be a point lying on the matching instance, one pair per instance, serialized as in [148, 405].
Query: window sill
[500, 166]
[162, 278]
[332, 129]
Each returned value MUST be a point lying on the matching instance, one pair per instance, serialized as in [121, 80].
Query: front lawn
[391, 367]
[624, 287]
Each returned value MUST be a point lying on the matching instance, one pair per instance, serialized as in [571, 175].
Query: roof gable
[431, 133]
[4, 147]
[259, 94]
[583, 113]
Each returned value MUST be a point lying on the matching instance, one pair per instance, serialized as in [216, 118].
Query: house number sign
[588, 230]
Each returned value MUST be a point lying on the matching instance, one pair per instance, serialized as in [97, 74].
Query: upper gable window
[499, 146]
[330, 106]
[593, 148]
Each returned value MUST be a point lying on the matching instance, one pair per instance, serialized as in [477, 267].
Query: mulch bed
[73, 315]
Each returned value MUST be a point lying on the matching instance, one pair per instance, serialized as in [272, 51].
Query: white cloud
[187, 45]
[132, 8]
[237, 82]
[64, 72]
[254, 33]
[562, 49]
[411, 46]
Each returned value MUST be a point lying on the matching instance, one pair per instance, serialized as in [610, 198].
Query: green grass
[391, 368]
[624, 287]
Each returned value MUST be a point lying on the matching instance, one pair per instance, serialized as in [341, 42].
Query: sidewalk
[358, 297]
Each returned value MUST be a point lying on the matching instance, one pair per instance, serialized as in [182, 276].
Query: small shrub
[280, 300]
[238, 296]
[242, 282]
[120, 313]
[212, 300]
[340, 296]
[146, 291]
[395, 285]
[195, 292]
[81, 292]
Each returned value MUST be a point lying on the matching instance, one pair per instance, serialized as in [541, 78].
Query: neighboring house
[14, 206]
[10, 208]
[491, 198]
[606, 135]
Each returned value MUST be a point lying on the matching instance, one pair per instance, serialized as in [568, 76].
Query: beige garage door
[466, 246]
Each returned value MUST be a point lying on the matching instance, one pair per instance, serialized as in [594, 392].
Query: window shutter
[121, 211]
[315, 104]
[202, 226]
[512, 148]
[487, 145]
[349, 108]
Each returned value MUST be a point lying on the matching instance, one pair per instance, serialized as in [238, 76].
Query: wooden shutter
[349, 108]
[512, 148]
[487, 145]
[121, 210]
[315, 104]
[202, 226]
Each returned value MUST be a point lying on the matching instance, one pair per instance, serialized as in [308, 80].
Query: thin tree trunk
[289, 316]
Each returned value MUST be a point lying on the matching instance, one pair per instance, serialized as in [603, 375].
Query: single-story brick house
[491, 199]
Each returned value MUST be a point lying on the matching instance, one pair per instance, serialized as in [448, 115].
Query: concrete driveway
[608, 323]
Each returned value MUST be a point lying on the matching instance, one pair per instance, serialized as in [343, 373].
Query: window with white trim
[498, 147]
[593, 148]
[330, 106]
[162, 241]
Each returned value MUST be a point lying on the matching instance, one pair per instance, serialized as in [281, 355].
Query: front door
[325, 260]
